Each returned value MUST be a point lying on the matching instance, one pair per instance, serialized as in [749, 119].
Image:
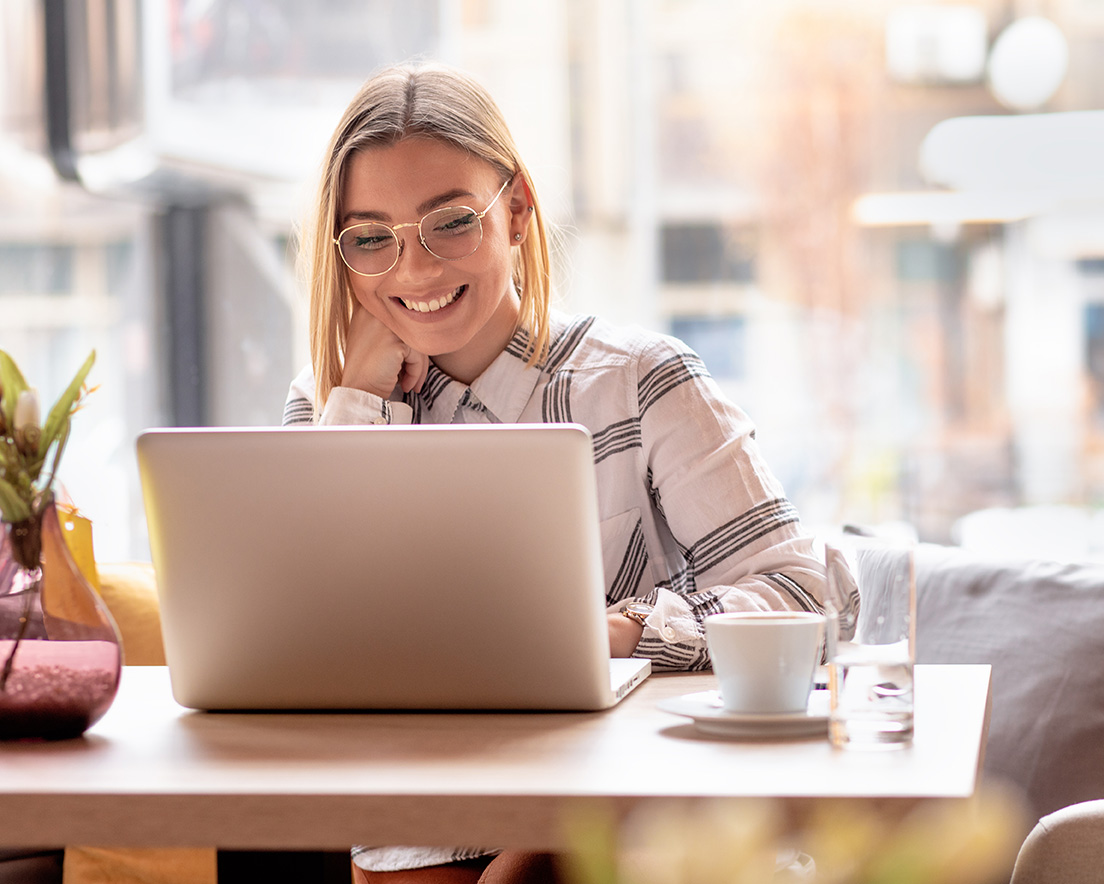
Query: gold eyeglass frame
[421, 238]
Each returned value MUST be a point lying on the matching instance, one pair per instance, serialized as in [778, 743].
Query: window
[922, 260]
[702, 185]
[701, 253]
[35, 269]
[718, 340]
[1094, 358]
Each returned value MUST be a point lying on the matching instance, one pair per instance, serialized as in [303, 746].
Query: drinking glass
[871, 641]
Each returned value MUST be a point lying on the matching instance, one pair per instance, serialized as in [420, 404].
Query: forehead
[396, 178]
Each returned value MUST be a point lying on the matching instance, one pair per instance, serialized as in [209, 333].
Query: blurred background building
[880, 223]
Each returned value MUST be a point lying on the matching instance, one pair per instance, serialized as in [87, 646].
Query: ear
[521, 210]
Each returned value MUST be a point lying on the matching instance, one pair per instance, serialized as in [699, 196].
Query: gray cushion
[1065, 847]
[1041, 626]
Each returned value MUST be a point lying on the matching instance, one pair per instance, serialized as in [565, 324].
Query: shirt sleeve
[345, 406]
[741, 538]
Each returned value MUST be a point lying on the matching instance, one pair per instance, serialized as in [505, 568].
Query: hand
[624, 635]
[377, 361]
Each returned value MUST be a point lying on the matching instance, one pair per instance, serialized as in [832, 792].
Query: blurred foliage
[760, 841]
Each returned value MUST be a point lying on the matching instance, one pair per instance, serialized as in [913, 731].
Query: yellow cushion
[99, 865]
[129, 589]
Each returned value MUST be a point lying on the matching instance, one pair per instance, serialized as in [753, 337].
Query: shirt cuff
[672, 620]
[349, 406]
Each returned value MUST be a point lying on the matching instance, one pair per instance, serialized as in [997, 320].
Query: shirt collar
[503, 389]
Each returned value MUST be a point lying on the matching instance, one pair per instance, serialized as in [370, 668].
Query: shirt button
[668, 633]
[379, 420]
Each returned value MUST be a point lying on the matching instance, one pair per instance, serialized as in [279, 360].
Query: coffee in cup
[765, 661]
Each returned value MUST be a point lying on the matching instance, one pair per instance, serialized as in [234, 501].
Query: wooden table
[152, 773]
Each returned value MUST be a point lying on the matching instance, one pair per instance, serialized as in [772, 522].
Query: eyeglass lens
[450, 233]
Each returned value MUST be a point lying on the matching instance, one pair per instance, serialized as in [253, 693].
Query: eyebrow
[440, 201]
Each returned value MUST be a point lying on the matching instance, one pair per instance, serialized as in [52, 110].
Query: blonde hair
[404, 101]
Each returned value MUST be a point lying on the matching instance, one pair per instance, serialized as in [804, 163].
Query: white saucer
[710, 717]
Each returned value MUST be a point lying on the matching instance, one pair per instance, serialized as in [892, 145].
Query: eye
[368, 242]
[368, 238]
[454, 221]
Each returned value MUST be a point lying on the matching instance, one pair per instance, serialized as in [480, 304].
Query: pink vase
[60, 655]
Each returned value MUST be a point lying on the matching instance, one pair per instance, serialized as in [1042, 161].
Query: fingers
[414, 371]
[377, 361]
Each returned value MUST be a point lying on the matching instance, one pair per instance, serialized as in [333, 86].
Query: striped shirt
[692, 520]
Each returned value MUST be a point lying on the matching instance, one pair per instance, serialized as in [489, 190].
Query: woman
[428, 268]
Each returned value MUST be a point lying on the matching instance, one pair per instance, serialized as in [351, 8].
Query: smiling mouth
[434, 305]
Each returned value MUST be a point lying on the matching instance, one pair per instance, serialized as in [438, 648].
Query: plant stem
[26, 541]
[24, 620]
[26, 545]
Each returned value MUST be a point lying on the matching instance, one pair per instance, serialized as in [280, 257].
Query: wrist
[365, 386]
[625, 635]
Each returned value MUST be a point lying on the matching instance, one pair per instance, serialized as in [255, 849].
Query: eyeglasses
[451, 233]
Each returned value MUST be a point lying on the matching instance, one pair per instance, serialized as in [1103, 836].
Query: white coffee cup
[765, 661]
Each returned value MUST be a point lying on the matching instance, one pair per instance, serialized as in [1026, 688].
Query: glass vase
[60, 655]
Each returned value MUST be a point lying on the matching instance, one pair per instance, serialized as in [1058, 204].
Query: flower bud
[27, 413]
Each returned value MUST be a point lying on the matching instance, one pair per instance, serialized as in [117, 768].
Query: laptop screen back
[416, 567]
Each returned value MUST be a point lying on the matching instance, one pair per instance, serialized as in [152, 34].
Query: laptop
[381, 568]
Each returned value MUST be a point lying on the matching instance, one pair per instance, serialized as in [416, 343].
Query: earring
[530, 208]
[517, 237]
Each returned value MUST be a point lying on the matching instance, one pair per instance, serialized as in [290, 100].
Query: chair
[30, 866]
[1065, 847]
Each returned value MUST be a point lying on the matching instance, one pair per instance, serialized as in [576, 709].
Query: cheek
[365, 294]
[498, 260]
[375, 305]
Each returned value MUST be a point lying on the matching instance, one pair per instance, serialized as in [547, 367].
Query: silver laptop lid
[416, 567]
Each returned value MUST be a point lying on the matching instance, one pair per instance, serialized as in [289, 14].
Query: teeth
[435, 304]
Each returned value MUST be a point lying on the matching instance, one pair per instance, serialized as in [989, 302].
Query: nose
[416, 262]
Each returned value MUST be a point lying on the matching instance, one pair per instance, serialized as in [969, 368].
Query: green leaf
[11, 385]
[57, 455]
[58, 419]
[13, 507]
